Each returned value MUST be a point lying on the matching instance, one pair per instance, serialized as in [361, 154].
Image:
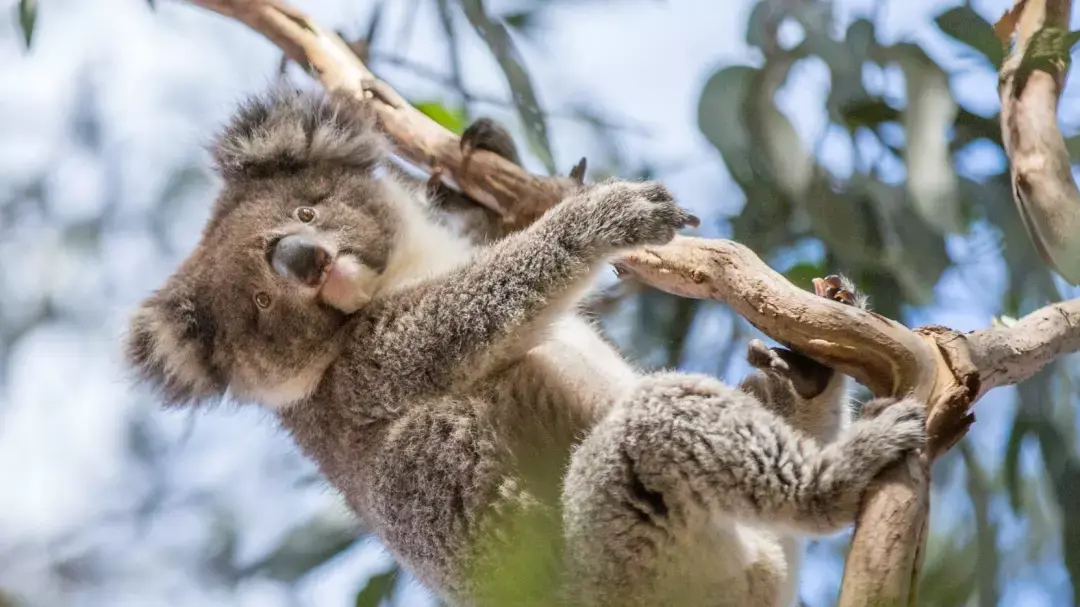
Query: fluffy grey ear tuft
[285, 129]
[169, 345]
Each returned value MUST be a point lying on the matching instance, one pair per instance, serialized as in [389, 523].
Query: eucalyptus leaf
[1036, 396]
[1010, 467]
[379, 588]
[791, 163]
[948, 577]
[763, 19]
[932, 183]
[374, 24]
[524, 21]
[722, 119]
[27, 19]
[501, 45]
[803, 274]
[969, 127]
[861, 37]
[308, 545]
[964, 24]
[914, 253]
[1073, 145]
[451, 118]
[869, 112]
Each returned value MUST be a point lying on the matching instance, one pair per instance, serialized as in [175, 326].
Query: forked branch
[946, 369]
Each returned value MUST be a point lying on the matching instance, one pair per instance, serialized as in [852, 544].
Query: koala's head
[295, 244]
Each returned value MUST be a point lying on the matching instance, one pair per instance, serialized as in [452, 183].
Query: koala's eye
[262, 299]
[305, 214]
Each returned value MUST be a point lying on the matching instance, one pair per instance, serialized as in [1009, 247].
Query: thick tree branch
[1030, 83]
[498, 184]
[946, 369]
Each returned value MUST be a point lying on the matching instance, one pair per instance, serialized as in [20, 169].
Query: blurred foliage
[886, 221]
[451, 118]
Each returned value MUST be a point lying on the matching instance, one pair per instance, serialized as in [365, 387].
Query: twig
[1030, 83]
[945, 369]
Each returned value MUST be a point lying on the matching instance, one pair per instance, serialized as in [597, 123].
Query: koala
[449, 388]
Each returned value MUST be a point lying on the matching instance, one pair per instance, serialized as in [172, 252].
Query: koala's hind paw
[765, 358]
[907, 420]
[898, 427]
[841, 289]
[875, 407]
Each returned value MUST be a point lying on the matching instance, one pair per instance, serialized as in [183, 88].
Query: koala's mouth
[342, 283]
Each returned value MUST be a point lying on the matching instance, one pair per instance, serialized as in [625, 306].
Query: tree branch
[946, 369]
[1030, 83]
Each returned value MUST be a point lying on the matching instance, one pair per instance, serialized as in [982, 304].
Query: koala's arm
[454, 328]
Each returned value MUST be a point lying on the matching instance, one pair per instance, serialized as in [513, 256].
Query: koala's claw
[765, 358]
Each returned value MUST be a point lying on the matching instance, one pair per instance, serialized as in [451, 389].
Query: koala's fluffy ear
[285, 129]
[170, 346]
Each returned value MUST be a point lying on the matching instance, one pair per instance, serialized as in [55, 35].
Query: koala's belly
[587, 365]
[731, 566]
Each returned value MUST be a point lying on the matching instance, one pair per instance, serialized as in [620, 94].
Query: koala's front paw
[894, 429]
[624, 214]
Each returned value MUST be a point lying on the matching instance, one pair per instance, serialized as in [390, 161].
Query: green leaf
[964, 24]
[787, 161]
[452, 118]
[969, 127]
[379, 587]
[374, 24]
[932, 184]
[524, 21]
[869, 113]
[1071, 39]
[27, 19]
[803, 274]
[307, 546]
[1073, 145]
[722, 119]
[763, 18]
[498, 40]
[1010, 468]
[861, 38]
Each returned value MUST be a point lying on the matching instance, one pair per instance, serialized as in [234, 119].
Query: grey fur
[467, 393]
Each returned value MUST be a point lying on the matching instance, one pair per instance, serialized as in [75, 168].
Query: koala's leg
[688, 475]
[454, 328]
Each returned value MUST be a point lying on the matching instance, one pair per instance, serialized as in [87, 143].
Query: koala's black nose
[300, 257]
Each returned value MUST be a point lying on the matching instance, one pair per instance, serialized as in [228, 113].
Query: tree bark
[1030, 84]
[946, 369]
